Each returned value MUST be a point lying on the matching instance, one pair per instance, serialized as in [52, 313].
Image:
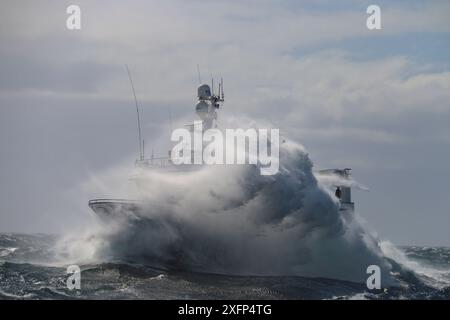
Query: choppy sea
[27, 273]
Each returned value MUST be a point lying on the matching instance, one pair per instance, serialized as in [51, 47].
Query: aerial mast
[141, 143]
[199, 76]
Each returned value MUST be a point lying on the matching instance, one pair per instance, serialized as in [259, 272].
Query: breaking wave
[232, 220]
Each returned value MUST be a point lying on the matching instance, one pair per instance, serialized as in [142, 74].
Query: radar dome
[204, 91]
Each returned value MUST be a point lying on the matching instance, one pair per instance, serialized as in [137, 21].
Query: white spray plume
[230, 219]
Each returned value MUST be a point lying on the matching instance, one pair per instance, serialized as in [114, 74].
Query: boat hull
[112, 209]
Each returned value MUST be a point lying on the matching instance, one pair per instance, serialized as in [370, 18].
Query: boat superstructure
[206, 109]
[342, 189]
[208, 103]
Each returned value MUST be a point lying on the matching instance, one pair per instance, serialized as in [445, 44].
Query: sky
[377, 101]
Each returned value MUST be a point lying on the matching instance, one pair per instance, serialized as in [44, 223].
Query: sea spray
[230, 219]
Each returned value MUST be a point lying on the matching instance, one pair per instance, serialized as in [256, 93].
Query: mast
[141, 143]
[208, 103]
[199, 76]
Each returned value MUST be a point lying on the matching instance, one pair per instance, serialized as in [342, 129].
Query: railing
[101, 201]
[347, 206]
[156, 162]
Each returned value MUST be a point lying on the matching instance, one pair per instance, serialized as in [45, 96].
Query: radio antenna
[141, 144]
[170, 120]
[199, 76]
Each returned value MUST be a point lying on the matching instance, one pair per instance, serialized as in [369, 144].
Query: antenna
[170, 120]
[199, 76]
[143, 149]
[212, 84]
[141, 144]
[221, 82]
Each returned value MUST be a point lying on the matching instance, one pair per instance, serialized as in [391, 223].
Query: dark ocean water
[27, 273]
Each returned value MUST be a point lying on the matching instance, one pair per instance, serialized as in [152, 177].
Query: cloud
[301, 65]
[163, 42]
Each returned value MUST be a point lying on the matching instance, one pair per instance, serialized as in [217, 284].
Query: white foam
[230, 219]
[393, 252]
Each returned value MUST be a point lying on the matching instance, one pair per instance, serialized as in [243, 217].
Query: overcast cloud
[375, 101]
